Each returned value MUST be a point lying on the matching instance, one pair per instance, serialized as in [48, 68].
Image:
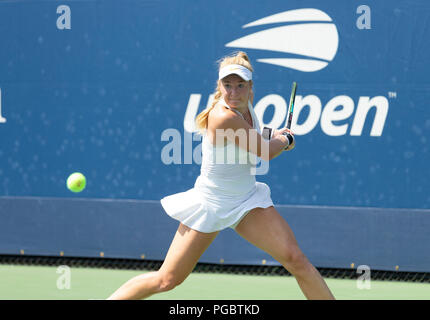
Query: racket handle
[290, 118]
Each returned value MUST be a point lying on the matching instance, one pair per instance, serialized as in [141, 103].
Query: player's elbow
[275, 150]
[264, 150]
[273, 155]
[268, 157]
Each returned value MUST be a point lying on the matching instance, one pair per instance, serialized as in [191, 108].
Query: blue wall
[97, 97]
[331, 237]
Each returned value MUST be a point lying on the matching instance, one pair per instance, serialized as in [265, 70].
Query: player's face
[235, 90]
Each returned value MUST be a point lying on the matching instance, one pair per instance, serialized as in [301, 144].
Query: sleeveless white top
[226, 189]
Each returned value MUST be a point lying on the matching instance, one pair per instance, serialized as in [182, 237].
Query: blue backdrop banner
[111, 89]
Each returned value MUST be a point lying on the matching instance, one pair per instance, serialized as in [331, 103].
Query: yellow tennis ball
[76, 182]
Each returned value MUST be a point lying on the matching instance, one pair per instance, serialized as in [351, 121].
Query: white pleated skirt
[206, 210]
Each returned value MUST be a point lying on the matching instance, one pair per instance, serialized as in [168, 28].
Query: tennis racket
[291, 105]
[290, 114]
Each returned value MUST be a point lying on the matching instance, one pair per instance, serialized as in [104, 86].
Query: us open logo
[310, 38]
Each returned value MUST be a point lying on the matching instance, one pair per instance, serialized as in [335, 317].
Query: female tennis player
[227, 194]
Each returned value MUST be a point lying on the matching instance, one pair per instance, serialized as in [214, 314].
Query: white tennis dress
[223, 192]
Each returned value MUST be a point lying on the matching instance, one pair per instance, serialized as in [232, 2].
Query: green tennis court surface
[42, 282]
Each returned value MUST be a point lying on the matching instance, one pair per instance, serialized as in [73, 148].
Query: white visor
[241, 71]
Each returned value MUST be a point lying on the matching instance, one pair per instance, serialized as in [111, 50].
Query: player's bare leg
[267, 230]
[184, 252]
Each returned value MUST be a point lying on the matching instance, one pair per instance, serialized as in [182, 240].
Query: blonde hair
[238, 57]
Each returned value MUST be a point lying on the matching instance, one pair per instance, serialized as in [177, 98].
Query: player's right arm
[230, 125]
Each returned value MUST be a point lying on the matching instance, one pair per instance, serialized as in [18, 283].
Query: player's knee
[294, 260]
[169, 281]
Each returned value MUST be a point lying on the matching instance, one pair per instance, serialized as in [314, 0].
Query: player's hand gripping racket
[290, 114]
